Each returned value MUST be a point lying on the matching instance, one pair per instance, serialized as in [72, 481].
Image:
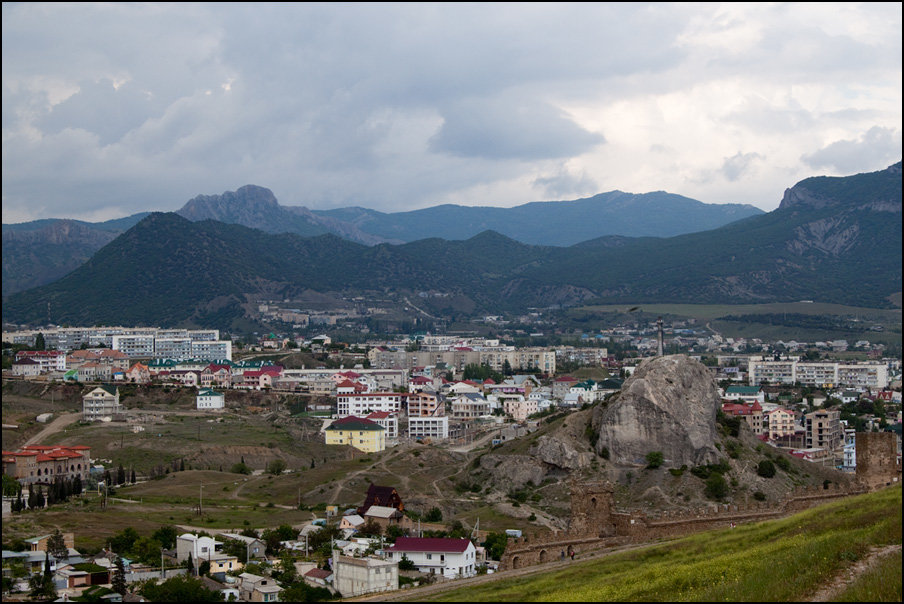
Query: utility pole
[200, 499]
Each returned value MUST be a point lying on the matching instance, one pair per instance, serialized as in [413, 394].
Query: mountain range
[39, 252]
[832, 239]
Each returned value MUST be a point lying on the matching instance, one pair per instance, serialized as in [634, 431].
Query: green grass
[882, 583]
[781, 560]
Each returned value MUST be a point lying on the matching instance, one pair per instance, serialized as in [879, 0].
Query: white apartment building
[825, 374]
[363, 403]
[436, 428]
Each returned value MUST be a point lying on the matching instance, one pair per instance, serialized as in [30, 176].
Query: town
[374, 397]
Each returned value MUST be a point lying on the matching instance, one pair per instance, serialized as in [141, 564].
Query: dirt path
[831, 591]
[57, 425]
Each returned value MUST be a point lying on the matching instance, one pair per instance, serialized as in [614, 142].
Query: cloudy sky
[112, 109]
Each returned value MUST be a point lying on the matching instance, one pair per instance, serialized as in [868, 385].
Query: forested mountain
[832, 240]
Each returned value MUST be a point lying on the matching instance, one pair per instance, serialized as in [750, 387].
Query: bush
[766, 469]
[783, 463]
[433, 515]
[240, 468]
[654, 459]
[759, 496]
[405, 563]
[716, 486]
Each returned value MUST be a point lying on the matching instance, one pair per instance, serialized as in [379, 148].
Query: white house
[428, 427]
[450, 558]
[208, 400]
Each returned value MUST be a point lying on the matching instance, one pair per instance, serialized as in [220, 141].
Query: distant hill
[832, 240]
[42, 251]
[39, 252]
[559, 223]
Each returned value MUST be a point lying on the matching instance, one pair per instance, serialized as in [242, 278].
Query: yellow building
[357, 432]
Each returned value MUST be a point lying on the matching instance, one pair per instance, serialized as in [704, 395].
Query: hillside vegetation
[783, 560]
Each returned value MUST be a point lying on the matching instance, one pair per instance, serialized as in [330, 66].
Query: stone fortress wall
[595, 524]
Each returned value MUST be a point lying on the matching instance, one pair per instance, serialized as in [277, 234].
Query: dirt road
[58, 424]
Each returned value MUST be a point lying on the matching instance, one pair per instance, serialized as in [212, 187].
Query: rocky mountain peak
[245, 201]
[668, 405]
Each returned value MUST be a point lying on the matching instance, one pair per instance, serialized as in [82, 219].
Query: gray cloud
[876, 146]
[510, 129]
[738, 164]
[132, 107]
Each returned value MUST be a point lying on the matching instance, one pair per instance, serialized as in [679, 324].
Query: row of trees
[60, 490]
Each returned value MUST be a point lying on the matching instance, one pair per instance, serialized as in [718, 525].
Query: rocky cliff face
[668, 405]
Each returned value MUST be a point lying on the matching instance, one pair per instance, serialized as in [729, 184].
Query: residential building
[43, 463]
[210, 400]
[752, 414]
[383, 496]
[388, 420]
[451, 558]
[255, 588]
[746, 394]
[362, 403]
[385, 516]
[425, 404]
[49, 360]
[435, 428]
[358, 432]
[100, 402]
[358, 576]
[778, 422]
[824, 429]
[469, 405]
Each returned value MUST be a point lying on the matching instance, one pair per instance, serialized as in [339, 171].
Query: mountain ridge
[844, 249]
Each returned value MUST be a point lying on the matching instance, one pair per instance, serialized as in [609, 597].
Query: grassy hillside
[778, 561]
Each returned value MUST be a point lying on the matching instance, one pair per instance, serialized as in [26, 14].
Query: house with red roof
[750, 413]
[43, 463]
[450, 558]
[387, 419]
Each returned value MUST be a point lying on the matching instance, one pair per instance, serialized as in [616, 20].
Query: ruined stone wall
[877, 459]
[589, 530]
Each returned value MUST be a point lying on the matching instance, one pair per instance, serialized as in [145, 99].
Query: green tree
[405, 563]
[766, 469]
[654, 459]
[716, 486]
[39, 342]
[434, 514]
[166, 535]
[118, 581]
[276, 467]
[123, 541]
[56, 545]
[180, 588]
[495, 545]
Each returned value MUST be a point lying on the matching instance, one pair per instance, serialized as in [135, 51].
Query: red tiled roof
[429, 544]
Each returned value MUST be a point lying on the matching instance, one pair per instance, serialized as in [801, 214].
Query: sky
[111, 108]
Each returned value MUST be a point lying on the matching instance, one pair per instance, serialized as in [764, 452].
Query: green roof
[743, 390]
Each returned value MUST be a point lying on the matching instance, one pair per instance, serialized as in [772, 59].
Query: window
[430, 556]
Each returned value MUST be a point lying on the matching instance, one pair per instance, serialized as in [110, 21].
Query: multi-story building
[357, 432]
[824, 429]
[48, 360]
[210, 400]
[100, 402]
[362, 403]
[425, 404]
[43, 463]
[778, 423]
[388, 421]
[820, 374]
[354, 576]
[449, 558]
[436, 428]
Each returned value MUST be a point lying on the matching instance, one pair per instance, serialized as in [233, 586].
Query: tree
[433, 515]
[123, 541]
[118, 581]
[56, 545]
[180, 588]
[166, 535]
[39, 342]
[495, 545]
[654, 459]
[716, 486]
[276, 467]
[766, 469]
[120, 475]
[405, 563]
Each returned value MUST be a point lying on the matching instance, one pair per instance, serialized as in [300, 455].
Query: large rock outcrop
[668, 405]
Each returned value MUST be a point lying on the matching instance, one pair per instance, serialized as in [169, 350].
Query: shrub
[716, 486]
[405, 563]
[654, 459]
[783, 463]
[759, 496]
[766, 469]
[433, 515]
